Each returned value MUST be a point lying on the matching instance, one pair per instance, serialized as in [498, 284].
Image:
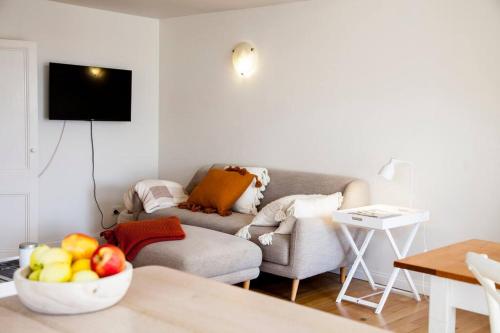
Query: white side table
[387, 218]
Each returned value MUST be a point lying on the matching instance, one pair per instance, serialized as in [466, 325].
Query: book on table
[375, 213]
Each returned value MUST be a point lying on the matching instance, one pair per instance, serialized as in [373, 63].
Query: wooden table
[452, 284]
[165, 300]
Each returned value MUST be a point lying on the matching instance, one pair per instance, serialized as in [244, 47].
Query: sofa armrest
[316, 247]
[356, 194]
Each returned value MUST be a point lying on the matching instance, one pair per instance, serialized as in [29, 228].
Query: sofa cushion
[203, 252]
[227, 224]
[219, 190]
[279, 251]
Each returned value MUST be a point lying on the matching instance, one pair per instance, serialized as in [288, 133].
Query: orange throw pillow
[218, 191]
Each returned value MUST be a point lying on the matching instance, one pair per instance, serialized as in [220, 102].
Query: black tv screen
[89, 93]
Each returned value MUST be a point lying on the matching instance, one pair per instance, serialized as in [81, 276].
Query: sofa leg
[246, 284]
[295, 287]
[343, 273]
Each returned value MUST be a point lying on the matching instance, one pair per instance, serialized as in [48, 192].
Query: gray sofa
[314, 247]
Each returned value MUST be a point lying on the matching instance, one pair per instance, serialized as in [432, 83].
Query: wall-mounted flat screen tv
[89, 93]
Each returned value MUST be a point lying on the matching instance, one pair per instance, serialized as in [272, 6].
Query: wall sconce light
[245, 59]
[96, 72]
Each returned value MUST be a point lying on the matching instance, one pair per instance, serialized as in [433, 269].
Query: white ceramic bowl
[72, 297]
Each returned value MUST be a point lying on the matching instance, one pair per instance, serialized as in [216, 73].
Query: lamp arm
[397, 161]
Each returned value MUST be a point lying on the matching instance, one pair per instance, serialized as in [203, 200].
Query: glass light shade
[96, 71]
[245, 59]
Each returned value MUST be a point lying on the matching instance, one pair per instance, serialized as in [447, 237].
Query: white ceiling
[172, 8]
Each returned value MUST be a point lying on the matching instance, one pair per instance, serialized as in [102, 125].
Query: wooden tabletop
[449, 261]
[165, 300]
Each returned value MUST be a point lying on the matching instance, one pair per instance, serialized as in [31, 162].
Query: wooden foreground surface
[165, 300]
[449, 261]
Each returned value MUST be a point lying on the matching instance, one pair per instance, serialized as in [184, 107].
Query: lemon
[81, 265]
[84, 276]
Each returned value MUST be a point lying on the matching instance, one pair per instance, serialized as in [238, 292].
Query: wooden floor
[400, 314]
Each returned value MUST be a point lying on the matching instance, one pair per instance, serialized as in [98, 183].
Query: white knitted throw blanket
[285, 211]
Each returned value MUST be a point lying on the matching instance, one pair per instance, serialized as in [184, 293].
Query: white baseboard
[423, 287]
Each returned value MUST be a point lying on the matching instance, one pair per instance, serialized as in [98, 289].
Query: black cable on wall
[93, 178]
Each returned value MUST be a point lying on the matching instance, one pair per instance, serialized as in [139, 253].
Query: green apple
[35, 263]
[55, 254]
[35, 275]
[56, 272]
[84, 276]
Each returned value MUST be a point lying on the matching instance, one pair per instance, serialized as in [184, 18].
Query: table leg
[387, 290]
[356, 251]
[403, 254]
[356, 263]
[395, 271]
[441, 311]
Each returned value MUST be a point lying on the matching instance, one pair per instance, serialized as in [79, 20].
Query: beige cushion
[247, 203]
[156, 194]
[310, 207]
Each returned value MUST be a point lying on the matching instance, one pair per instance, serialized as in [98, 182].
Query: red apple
[107, 260]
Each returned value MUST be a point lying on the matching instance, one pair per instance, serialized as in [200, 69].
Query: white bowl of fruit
[78, 277]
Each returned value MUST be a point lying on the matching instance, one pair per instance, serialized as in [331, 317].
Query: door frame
[29, 50]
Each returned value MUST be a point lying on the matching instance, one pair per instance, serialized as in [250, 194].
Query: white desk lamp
[387, 172]
[389, 169]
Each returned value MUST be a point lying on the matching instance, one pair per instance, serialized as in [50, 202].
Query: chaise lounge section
[207, 253]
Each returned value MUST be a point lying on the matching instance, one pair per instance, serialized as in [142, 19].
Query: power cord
[54, 152]
[93, 179]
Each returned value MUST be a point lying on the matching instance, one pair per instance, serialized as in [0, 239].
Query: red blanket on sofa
[131, 237]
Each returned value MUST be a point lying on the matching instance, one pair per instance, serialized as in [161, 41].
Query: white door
[18, 145]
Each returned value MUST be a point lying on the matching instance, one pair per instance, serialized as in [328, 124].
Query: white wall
[124, 151]
[342, 86]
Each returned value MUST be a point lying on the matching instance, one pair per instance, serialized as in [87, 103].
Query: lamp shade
[245, 59]
[388, 170]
